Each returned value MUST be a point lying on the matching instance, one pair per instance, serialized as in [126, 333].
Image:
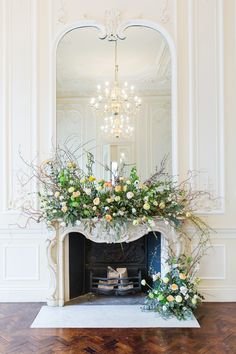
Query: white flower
[130, 195]
[155, 203]
[99, 188]
[183, 290]
[128, 181]
[78, 222]
[117, 198]
[50, 194]
[194, 301]
[136, 183]
[143, 282]
[63, 224]
[96, 201]
[88, 191]
[120, 212]
[164, 308]
[156, 276]
[178, 298]
[186, 296]
[133, 210]
[61, 197]
[94, 207]
[135, 222]
[145, 198]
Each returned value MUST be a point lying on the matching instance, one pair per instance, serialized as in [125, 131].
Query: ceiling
[84, 60]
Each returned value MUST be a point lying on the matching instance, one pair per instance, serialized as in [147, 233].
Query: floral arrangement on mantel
[69, 195]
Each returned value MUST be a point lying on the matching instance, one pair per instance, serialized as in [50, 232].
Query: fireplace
[68, 281]
[89, 261]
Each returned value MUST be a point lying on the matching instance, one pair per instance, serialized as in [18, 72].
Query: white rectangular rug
[105, 316]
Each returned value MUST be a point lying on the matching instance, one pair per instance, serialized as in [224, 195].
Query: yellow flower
[91, 178]
[194, 301]
[182, 276]
[170, 298]
[76, 194]
[146, 206]
[174, 287]
[96, 201]
[118, 189]
[108, 217]
[162, 205]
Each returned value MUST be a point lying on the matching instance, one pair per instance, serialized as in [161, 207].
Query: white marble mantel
[57, 257]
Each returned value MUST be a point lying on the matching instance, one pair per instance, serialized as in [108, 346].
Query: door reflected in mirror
[115, 97]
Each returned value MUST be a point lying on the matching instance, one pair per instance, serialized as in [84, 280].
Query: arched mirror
[115, 97]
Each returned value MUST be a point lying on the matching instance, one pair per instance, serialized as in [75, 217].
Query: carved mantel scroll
[55, 249]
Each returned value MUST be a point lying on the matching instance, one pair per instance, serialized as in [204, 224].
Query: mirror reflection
[116, 97]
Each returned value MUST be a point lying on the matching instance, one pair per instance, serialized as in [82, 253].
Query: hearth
[89, 263]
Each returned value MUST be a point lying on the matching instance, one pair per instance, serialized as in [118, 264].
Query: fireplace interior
[111, 269]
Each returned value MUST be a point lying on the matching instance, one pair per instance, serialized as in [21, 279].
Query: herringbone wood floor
[217, 335]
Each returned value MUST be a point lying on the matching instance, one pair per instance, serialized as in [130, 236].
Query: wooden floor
[217, 335]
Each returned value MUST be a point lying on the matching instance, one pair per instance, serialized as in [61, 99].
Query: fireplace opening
[112, 269]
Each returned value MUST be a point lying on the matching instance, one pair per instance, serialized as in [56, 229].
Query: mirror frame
[120, 33]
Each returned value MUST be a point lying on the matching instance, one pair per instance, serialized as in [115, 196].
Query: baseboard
[218, 294]
[23, 294]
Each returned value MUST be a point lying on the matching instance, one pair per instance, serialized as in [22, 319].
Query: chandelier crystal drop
[116, 105]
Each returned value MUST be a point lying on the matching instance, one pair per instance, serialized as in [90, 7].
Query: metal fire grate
[115, 286]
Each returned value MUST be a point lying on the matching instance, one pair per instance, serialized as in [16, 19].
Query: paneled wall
[203, 36]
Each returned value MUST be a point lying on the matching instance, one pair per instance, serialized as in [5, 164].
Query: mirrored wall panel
[114, 98]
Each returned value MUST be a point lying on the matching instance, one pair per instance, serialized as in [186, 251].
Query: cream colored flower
[71, 189]
[129, 195]
[146, 206]
[124, 188]
[64, 209]
[94, 207]
[178, 298]
[143, 282]
[135, 222]
[194, 301]
[99, 188]
[188, 214]
[96, 201]
[117, 198]
[166, 280]
[57, 194]
[128, 181]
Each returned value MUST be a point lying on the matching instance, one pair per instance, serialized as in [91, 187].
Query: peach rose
[108, 217]
[182, 276]
[170, 298]
[174, 287]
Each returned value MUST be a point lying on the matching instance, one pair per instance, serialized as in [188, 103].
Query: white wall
[204, 36]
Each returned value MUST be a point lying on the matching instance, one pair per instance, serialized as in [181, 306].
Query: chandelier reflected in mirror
[116, 105]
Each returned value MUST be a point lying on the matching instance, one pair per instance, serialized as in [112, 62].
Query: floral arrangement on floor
[176, 293]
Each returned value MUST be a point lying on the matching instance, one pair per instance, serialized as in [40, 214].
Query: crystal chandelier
[116, 105]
